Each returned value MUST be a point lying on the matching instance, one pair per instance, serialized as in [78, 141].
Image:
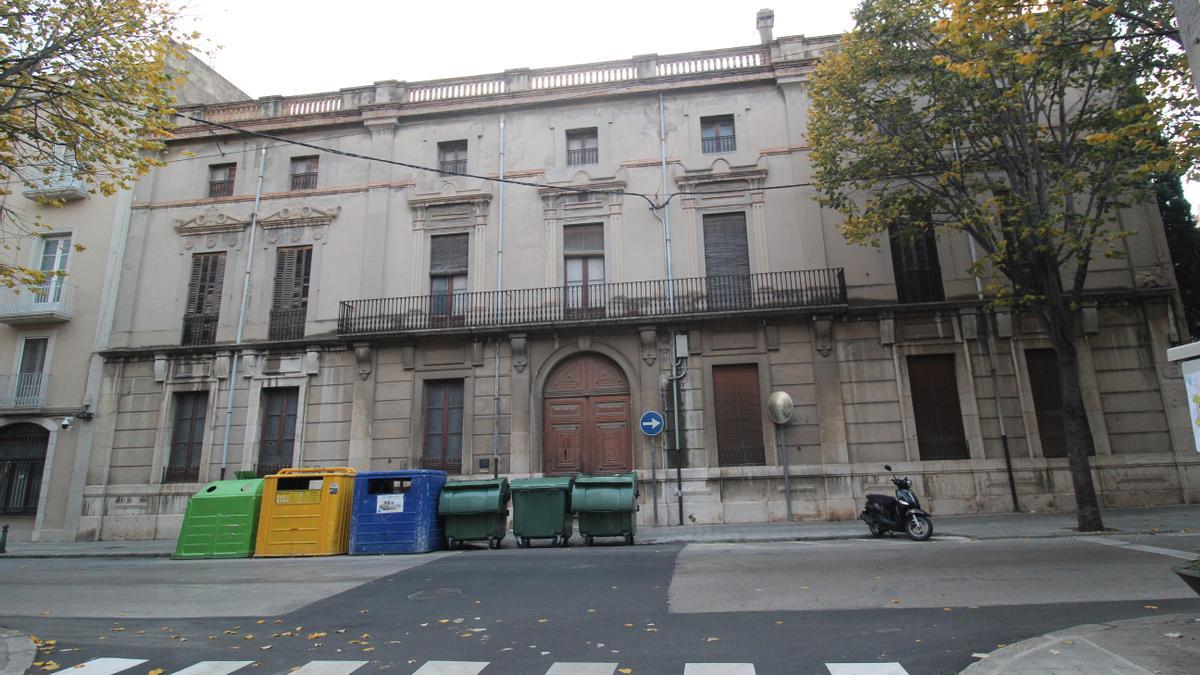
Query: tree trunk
[1079, 434]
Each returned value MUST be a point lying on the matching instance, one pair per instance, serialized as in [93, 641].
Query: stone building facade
[398, 316]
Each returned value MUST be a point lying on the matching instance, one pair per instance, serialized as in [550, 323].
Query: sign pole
[652, 424]
[780, 409]
[787, 481]
[654, 477]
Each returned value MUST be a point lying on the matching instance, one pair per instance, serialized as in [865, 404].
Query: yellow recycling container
[306, 512]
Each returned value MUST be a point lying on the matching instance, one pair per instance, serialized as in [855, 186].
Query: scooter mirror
[888, 467]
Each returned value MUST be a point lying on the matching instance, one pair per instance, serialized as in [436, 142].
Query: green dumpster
[607, 506]
[221, 520]
[474, 510]
[541, 509]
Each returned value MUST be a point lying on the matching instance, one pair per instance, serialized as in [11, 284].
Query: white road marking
[718, 669]
[214, 668]
[1139, 547]
[330, 667]
[567, 668]
[452, 668]
[106, 666]
[866, 669]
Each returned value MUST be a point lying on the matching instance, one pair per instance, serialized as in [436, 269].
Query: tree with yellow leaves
[1026, 124]
[84, 92]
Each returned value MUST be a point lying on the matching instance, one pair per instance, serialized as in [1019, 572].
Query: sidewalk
[991, 526]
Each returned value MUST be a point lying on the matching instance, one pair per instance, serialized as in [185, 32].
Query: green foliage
[83, 93]
[1183, 240]
[1023, 123]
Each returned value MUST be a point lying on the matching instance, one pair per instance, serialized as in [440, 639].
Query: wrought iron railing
[583, 156]
[634, 300]
[199, 328]
[287, 324]
[20, 482]
[304, 181]
[451, 465]
[220, 188]
[454, 166]
[718, 144]
[181, 474]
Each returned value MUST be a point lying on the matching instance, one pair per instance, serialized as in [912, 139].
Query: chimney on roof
[766, 22]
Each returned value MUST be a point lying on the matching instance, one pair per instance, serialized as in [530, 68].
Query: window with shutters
[452, 157]
[583, 270]
[220, 179]
[736, 402]
[448, 256]
[278, 439]
[727, 261]
[934, 388]
[915, 263]
[289, 304]
[1042, 365]
[443, 426]
[203, 299]
[583, 146]
[716, 134]
[304, 172]
[187, 437]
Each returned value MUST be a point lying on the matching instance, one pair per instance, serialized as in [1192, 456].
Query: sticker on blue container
[389, 503]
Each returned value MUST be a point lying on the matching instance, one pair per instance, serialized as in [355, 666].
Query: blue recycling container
[396, 512]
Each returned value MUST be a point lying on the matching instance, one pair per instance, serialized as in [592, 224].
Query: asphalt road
[785, 608]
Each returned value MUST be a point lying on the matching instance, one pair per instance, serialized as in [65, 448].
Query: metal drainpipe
[666, 220]
[499, 300]
[237, 341]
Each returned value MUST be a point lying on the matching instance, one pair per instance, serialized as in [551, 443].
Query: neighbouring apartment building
[50, 389]
[402, 317]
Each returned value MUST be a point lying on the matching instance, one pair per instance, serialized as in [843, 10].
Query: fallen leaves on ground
[318, 634]
[157, 671]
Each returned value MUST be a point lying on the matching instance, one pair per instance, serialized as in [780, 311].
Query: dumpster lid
[403, 473]
[501, 483]
[615, 479]
[317, 471]
[546, 483]
[225, 488]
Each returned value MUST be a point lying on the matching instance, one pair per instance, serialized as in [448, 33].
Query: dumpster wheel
[588, 539]
[629, 539]
[523, 542]
[493, 543]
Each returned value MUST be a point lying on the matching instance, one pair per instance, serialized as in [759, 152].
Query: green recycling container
[474, 510]
[542, 509]
[221, 520]
[607, 506]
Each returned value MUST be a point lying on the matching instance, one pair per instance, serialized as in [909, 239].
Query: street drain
[434, 593]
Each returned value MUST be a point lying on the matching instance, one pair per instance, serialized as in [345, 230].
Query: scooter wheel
[919, 528]
[877, 531]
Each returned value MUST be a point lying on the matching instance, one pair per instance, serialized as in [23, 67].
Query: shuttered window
[289, 304]
[934, 389]
[204, 298]
[452, 157]
[583, 269]
[738, 411]
[1047, 401]
[727, 260]
[915, 264]
[220, 179]
[443, 426]
[304, 172]
[187, 437]
[278, 439]
[448, 261]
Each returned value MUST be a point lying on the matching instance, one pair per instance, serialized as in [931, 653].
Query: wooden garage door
[586, 414]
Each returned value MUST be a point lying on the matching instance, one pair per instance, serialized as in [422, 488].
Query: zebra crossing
[112, 666]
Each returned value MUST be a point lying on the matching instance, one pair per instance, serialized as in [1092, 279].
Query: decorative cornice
[573, 188]
[474, 198]
[211, 221]
[299, 217]
[748, 174]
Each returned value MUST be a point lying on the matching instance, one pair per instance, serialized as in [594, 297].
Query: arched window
[22, 457]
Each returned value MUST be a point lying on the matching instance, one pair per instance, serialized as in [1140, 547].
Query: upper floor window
[583, 269]
[220, 179]
[304, 173]
[452, 156]
[448, 259]
[289, 305]
[716, 134]
[204, 298]
[915, 264]
[28, 387]
[583, 146]
[56, 251]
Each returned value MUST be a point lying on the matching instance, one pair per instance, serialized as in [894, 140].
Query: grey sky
[304, 46]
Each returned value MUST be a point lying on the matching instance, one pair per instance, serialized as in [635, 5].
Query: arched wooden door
[586, 418]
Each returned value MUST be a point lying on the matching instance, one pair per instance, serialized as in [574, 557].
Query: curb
[109, 554]
[16, 652]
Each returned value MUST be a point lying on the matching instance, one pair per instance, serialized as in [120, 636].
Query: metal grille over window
[716, 134]
[204, 299]
[448, 261]
[22, 458]
[289, 304]
[582, 147]
[452, 155]
[304, 173]
[915, 263]
[220, 179]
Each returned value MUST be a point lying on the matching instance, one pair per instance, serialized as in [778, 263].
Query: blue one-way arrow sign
[652, 423]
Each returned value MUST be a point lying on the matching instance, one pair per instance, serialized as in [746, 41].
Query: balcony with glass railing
[623, 302]
[47, 302]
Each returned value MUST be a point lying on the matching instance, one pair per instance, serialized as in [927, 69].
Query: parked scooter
[901, 513]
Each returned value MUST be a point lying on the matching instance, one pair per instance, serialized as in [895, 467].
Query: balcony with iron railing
[199, 328]
[23, 390]
[287, 324]
[304, 181]
[454, 167]
[579, 156]
[52, 300]
[622, 302]
[714, 144]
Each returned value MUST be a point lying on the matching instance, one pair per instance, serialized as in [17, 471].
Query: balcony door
[448, 262]
[586, 417]
[727, 261]
[56, 251]
[28, 385]
[583, 270]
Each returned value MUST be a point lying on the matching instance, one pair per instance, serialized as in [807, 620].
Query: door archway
[22, 458]
[586, 417]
